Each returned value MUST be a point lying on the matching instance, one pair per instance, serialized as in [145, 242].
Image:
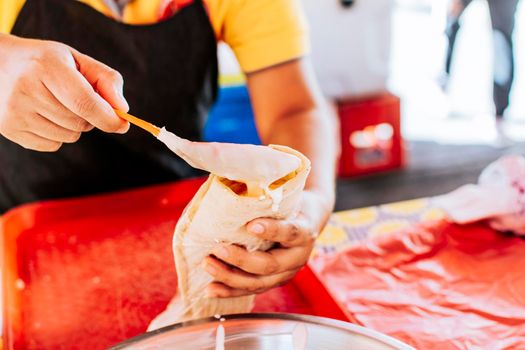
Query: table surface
[350, 227]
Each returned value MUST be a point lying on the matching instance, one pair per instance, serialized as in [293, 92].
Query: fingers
[47, 101]
[259, 263]
[46, 129]
[106, 81]
[239, 272]
[220, 290]
[51, 109]
[289, 233]
[262, 263]
[76, 93]
[28, 140]
[237, 279]
[39, 134]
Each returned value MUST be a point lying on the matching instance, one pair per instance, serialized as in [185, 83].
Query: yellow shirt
[262, 33]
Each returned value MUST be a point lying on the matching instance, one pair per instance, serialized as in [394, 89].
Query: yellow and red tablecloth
[349, 227]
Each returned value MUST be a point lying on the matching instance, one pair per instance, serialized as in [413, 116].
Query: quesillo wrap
[246, 182]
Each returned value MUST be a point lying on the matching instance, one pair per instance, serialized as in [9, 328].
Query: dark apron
[170, 75]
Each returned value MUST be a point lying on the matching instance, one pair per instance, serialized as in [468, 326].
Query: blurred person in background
[65, 65]
[502, 15]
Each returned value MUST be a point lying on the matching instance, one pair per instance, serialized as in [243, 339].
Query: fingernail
[119, 93]
[221, 252]
[124, 129]
[126, 104]
[257, 229]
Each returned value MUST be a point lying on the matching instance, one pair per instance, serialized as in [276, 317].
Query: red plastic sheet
[441, 286]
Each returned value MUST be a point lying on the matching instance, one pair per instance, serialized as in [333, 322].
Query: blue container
[231, 118]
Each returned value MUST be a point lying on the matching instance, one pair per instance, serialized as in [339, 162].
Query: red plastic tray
[88, 273]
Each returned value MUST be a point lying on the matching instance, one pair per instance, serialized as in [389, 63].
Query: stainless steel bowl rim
[322, 321]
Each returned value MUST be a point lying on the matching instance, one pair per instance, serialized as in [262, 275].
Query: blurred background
[406, 132]
[369, 53]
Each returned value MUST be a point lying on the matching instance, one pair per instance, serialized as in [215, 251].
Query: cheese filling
[248, 170]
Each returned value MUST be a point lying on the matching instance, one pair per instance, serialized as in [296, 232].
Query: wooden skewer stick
[154, 130]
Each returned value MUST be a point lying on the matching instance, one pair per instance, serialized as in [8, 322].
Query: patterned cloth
[348, 227]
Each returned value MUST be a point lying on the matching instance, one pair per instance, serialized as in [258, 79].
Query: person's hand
[237, 272]
[51, 93]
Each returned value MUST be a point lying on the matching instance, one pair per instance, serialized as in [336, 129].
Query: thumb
[105, 80]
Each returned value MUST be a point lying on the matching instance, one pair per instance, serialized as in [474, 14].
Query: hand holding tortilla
[247, 182]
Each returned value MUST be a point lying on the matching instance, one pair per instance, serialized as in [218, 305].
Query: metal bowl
[264, 332]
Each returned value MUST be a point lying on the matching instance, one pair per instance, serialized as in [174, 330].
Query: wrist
[325, 196]
[318, 206]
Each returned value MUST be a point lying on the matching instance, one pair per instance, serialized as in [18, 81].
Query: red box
[370, 135]
[88, 273]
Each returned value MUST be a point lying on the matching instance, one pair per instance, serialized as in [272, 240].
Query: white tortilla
[219, 215]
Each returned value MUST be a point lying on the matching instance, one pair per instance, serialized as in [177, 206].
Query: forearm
[315, 133]
[290, 110]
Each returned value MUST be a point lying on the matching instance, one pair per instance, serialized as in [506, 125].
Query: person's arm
[289, 111]
[50, 94]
